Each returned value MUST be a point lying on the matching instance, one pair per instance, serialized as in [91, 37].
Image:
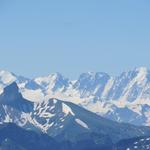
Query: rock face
[115, 98]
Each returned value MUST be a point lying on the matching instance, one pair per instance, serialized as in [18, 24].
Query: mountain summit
[11, 92]
[12, 97]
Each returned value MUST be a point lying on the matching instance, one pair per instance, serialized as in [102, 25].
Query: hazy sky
[38, 37]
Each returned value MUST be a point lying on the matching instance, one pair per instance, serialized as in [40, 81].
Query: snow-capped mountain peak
[53, 81]
[142, 69]
[7, 77]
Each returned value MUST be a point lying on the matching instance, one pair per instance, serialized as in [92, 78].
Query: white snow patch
[61, 126]
[83, 124]
[107, 87]
[7, 119]
[54, 101]
[67, 110]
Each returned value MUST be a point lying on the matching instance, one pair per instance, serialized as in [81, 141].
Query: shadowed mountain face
[13, 98]
[11, 94]
[139, 143]
[16, 138]
[13, 137]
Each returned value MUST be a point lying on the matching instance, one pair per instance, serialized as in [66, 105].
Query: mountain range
[125, 98]
[55, 124]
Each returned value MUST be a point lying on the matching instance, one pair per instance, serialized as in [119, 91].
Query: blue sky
[38, 37]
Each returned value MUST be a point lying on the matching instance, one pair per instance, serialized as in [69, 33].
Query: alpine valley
[94, 112]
